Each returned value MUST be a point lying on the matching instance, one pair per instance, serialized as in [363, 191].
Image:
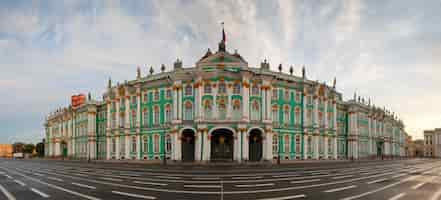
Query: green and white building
[221, 109]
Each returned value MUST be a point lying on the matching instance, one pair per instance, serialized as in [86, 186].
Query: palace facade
[221, 109]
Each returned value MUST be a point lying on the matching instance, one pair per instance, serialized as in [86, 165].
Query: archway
[222, 145]
[255, 145]
[188, 145]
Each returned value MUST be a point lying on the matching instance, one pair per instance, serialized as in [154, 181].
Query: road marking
[377, 181]
[19, 182]
[150, 183]
[83, 185]
[340, 177]
[399, 175]
[111, 179]
[287, 197]
[396, 197]
[133, 195]
[2, 172]
[203, 186]
[57, 187]
[85, 175]
[53, 178]
[44, 195]
[246, 177]
[136, 175]
[418, 185]
[340, 189]
[380, 189]
[38, 174]
[10, 177]
[7, 193]
[205, 178]
[285, 175]
[306, 181]
[256, 185]
[168, 177]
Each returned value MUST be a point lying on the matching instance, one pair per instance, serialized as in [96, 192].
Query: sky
[389, 51]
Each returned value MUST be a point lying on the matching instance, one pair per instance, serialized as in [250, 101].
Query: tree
[29, 148]
[18, 147]
[40, 149]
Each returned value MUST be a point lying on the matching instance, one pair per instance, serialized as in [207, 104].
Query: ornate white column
[197, 151]
[325, 148]
[127, 146]
[245, 144]
[177, 142]
[127, 114]
[335, 146]
[264, 111]
[269, 144]
[236, 147]
[138, 109]
[200, 104]
[230, 102]
[117, 145]
[175, 102]
[268, 102]
[138, 146]
[245, 96]
[305, 146]
[179, 100]
[207, 145]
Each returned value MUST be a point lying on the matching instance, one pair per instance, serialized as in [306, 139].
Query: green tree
[29, 148]
[18, 147]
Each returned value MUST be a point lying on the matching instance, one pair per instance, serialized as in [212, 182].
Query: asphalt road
[48, 179]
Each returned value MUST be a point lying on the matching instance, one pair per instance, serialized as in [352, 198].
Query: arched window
[298, 116]
[237, 109]
[145, 143]
[207, 88]
[274, 95]
[188, 90]
[168, 144]
[298, 97]
[156, 115]
[121, 120]
[145, 117]
[222, 88]
[156, 143]
[113, 145]
[133, 120]
[287, 95]
[287, 144]
[286, 115]
[298, 144]
[145, 97]
[222, 109]
[255, 110]
[168, 113]
[236, 88]
[275, 144]
[208, 109]
[275, 113]
[168, 94]
[156, 95]
[255, 90]
[188, 112]
[133, 143]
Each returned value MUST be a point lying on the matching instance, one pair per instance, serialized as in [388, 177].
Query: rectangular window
[145, 144]
[287, 95]
[274, 95]
[156, 143]
[298, 144]
[168, 144]
[169, 94]
[275, 145]
[188, 90]
[287, 143]
[145, 97]
[134, 100]
[255, 90]
[207, 89]
[156, 95]
[134, 144]
[236, 89]
[298, 97]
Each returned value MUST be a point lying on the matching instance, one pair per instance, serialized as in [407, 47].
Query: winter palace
[221, 109]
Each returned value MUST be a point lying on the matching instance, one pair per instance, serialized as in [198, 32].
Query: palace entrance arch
[222, 145]
[188, 145]
[255, 145]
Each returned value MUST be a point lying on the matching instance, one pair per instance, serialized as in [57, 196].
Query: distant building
[5, 150]
[223, 109]
[432, 143]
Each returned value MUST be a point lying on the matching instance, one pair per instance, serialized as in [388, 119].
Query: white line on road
[399, 175]
[340, 189]
[377, 181]
[38, 174]
[168, 177]
[7, 193]
[418, 185]
[205, 178]
[83, 185]
[56, 179]
[287, 197]
[133, 195]
[19, 182]
[256, 185]
[398, 196]
[246, 177]
[57, 187]
[306, 181]
[340, 177]
[150, 183]
[111, 179]
[8, 176]
[44, 195]
[136, 175]
[203, 186]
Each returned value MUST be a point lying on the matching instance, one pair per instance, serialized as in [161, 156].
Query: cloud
[50, 50]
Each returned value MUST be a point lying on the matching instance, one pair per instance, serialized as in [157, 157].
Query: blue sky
[389, 51]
